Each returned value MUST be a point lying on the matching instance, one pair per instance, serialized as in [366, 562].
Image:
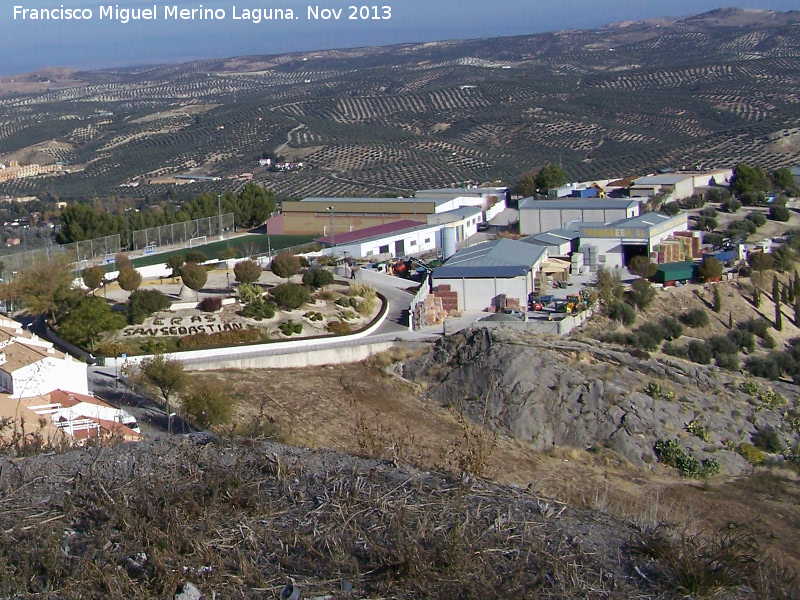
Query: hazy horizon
[97, 44]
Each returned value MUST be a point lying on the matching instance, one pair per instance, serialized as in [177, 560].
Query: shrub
[743, 227]
[248, 292]
[647, 336]
[756, 218]
[367, 306]
[715, 239]
[653, 390]
[717, 195]
[671, 454]
[290, 327]
[361, 289]
[195, 256]
[706, 224]
[314, 316]
[93, 276]
[757, 326]
[193, 276]
[731, 205]
[642, 266]
[247, 271]
[764, 366]
[699, 431]
[619, 311]
[779, 213]
[258, 310]
[767, 439]
[698, 352]
[143, 303]
[744, 340]
[211, 304]
[209, 404]
[338, 327]
[229, 337]
[729, 362]
[129, 279]
[671, 327]
[670, 209]
[317, 278]
[290, 295]
[696, 317]
[722, 344]
[751, 454]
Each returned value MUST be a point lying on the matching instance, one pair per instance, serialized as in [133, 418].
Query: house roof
[598, 204]
[498, 258]
[665, 179]
[549, 238]
[369, 233]
[650, 219]
[457, 214]
[18, 355]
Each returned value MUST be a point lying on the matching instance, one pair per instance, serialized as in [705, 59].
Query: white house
[31, 370]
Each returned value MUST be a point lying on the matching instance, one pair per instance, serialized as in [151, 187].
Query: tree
[121, 261]
[670, 209]
[706, 223]
[756, 297]
[195, 256]
[641, 293]
[209, 404]
[551, 176]
[717, 304]
[285, 264]
[710, 269]
[47, 288]
[749, 179]
[317, 278]
[526, 186]
[80, 221]
[129, 279]
[760, 261]
[797, 311]
[194, 276]
[779, 213]
[778, 317]
[783, 179]
[776, 290]
[254, 206]
[247, 271]
[143, 303]
[167, 375]
[174, 263]
[731, 205]
[93, 277]
[85, 323]
[609, 286]
[756, 218]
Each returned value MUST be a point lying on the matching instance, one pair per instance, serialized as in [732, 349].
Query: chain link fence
[187, 233]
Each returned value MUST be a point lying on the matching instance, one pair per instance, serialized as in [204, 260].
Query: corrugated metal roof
[576, 204]
[463, 191]
[666, 179]
[650, 219]
[359, 200]
[377, 231]
[498, 258]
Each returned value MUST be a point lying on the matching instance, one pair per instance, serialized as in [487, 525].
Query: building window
[383, 249]
[427, 240]
[412, 243]
[370, 253]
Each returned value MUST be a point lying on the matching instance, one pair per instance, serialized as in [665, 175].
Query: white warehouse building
[539, 216]
[399, 238]
[484, 276]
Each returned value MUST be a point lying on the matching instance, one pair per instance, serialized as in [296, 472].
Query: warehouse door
[400, 248]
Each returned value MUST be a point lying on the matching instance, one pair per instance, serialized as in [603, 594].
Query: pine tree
[717, 300]
[776, 290]
[778, 317]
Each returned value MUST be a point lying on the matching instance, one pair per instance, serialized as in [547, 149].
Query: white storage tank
[448, 242]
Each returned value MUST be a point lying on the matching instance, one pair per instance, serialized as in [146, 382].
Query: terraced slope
[703, 91]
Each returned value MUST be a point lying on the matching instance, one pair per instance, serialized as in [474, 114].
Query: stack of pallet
[696, 241]
[440, 303]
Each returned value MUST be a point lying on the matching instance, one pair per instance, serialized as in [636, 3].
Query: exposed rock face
[557, 392]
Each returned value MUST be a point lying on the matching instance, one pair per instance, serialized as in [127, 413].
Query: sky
[97, 42]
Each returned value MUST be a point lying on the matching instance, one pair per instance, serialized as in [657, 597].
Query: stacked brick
[439, 304]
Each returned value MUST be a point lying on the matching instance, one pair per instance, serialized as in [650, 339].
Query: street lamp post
[219, 212]
[333, 229]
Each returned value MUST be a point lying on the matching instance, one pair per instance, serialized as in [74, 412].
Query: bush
[195, 256]
[258, 310]
[229, 337]
[290, 327]
[744, 340]
[143, 303]
[767, 439]
[731, 205]
[756, 326]
[290, 295]
[670, 209]
[642, 266]
[671, 327]
[193, 276]
[247, 271]
[317, 278]
[764, 366]
[751, 454]
[721, 344]
[671, 454]
[706, 224]
[249, 292]
[624, 313]
[760, 261]
[361, 289]
[715, 239]
[779, 213]
[211, 304]
[756, 218]
[717, 195]
[338, 327]
[209, 404]
[696, 317]
[710, 269]
[129, 279]
[647, 336]
[729, 362]
[709, 212]
[698, 352]
[743, 227]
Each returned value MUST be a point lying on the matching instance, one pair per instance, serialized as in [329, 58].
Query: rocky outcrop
[551, 392]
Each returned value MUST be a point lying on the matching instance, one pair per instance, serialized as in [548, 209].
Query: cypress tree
[717, 300]
[785, 294]
[776, 290]
[756, 297]
[797, 311]
[778, 317]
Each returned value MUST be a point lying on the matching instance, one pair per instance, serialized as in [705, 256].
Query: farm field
[696, 92]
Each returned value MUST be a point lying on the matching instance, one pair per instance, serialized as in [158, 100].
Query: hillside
[627, 98]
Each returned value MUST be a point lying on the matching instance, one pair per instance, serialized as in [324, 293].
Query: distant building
[539, 216]
[682, 184]
[463, 220]
[483, 197]
[492, 274]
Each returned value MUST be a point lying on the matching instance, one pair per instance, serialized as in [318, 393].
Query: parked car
[515, 313]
